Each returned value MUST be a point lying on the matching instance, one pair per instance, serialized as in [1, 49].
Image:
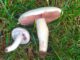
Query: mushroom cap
[25, 34]
[49, 13]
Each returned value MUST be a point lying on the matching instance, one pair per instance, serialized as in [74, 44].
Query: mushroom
[41, 16]
[20, 36]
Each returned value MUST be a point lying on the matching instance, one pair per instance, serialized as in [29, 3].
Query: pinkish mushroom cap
[49, 13]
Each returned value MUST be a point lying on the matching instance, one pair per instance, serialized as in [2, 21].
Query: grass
[64, 39]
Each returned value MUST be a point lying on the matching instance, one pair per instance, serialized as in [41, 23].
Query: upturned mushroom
[20, 36]
[41, 16]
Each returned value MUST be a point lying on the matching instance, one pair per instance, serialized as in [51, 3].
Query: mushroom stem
[43, 33]
[15, 44]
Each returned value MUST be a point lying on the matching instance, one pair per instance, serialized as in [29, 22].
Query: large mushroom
[20, 36]
[41, 16]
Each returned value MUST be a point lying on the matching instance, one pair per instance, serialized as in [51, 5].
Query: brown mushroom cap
[48, 15]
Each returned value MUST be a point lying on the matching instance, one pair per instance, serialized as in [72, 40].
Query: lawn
[64, 39]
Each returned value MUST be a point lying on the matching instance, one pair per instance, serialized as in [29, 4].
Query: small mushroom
[41, 16]
[20, 36]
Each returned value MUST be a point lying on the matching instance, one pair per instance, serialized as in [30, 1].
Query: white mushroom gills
[43, 33]
[17, 35]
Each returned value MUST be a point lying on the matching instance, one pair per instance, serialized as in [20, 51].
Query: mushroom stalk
[15, 44]
[43, 33]
[20, 36]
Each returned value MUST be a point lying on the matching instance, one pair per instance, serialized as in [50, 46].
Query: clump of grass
[64, 40]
